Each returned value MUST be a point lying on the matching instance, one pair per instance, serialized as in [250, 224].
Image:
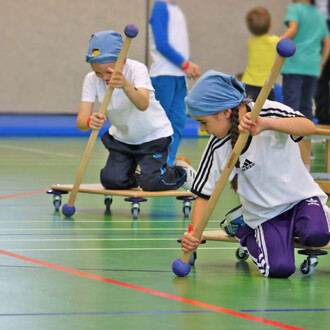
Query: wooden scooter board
[134, 192]
[135, 196]
[221, 235]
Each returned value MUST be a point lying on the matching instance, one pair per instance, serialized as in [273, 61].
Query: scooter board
[134, 195]
[134, 192]
[221, 235]
[306, 268]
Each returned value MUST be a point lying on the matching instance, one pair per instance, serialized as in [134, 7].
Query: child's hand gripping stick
[68, 209]
[285, 48]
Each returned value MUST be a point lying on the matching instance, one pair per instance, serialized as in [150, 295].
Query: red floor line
[154, 292]
[23, 194]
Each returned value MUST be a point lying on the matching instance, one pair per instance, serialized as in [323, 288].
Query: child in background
[261, 52]
[140, 132]
[307, 27]
[279, 197]
[169, 48]
[322, 94]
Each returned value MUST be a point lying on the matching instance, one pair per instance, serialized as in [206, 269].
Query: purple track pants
[271, 244]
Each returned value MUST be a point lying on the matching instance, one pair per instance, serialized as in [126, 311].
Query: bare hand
[97, 120]
[246, 124]
[190, 242]
[118, 80]
[193, 71]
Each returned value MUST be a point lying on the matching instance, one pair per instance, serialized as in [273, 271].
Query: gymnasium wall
[44, 42]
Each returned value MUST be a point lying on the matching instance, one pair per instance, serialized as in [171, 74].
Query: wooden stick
[322, 131]
[240, 144]
[95, 132]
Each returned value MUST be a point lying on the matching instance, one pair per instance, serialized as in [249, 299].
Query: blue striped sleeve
[159, 24]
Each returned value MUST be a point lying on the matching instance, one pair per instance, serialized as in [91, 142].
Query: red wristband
[88, 120]
[190, 228]
[185, 66]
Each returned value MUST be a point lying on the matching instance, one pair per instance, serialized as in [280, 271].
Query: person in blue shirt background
[307, 27]
[169, 48]
[322, 95]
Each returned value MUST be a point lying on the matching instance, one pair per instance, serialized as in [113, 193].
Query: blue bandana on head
[214, 92]
[104, 47]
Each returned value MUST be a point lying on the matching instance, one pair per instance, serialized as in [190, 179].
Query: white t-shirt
[272, 177]
[128, 124]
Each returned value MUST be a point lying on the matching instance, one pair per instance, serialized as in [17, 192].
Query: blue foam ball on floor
[68, 210]
[180, 268]
[131, 31]
[286, 48]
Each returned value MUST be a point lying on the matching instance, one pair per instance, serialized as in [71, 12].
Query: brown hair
[258, 21]
[234, 133]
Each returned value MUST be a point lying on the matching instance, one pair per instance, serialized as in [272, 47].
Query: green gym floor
[108, 271]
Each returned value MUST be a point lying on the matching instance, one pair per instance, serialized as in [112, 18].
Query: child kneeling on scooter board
[140, 132]
[279, 197]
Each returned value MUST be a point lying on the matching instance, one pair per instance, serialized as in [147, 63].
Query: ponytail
[234, 133]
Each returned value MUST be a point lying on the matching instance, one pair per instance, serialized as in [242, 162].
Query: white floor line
[99, 221]
[118, 249]
[83, 239]
[85, 229]
[37, 151]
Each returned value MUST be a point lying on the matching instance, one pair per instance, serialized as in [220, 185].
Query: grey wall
[43, 43]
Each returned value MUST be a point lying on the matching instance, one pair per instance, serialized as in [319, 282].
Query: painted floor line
[83, 239]
[102, 221]
[91, 234]
[105, 313]
[23, 194]
[286, 310]
[37, 151]
[155, 292]
[82, 229]
[118, 249]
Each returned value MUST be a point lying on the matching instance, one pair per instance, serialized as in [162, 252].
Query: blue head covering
[214, 92]
[104, 47]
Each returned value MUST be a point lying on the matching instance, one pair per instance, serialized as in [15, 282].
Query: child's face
[102, 70]
[217, 124]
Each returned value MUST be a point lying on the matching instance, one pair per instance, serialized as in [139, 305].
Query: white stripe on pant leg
[260, 238]
[257, 263]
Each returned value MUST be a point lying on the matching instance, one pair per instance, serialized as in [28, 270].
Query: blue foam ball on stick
[286, 48]
[180, 268]
[131, 31]
[68, 210]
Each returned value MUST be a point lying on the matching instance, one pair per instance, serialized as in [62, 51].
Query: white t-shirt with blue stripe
[168, 42]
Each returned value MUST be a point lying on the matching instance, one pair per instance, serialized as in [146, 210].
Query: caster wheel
[193, 258]
[241, 255]
[135, 211]
[186, 210]
[308, 266]
[57, 202]
[107, 203]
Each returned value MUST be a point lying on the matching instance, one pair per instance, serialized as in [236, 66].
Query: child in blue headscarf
[279, 197]
[140, 132]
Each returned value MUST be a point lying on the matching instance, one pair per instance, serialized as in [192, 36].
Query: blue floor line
[105, 313]
[286, 310]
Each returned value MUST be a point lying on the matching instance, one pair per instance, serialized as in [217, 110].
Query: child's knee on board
[281, 269]
[109, 181]
[149, 184]
[316, 238]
